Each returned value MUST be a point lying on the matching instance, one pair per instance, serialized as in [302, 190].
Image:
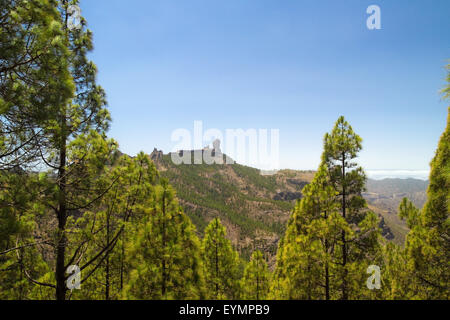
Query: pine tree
[12, 200]
[109, 224]
[72, 149]
[256, 280]
[331, 236]
[304, 260]
[341, 148]
[165, 253]
[34, 76]
[34, 80]
[436, 217]
[396, 279]
[397, 282]
[221, 263]
[427, 244]
[17, 245]
[76, 148]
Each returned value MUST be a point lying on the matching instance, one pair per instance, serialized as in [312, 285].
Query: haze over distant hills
[398, 174]
[384, 197]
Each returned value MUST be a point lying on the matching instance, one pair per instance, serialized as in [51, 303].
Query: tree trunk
[107, 275]
[217, 264]
[60, 272]
[122, 257]
[344, 244]
[327, 271]
[257, 281]
[327, 274]
[163, 289]
[61, 288]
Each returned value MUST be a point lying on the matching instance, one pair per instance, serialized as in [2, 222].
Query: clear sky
[288, 65]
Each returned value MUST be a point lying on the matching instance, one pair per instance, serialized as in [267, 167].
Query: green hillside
[240, 196]
[255, 208]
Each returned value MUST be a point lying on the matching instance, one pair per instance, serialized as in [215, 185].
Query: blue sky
[288, 65]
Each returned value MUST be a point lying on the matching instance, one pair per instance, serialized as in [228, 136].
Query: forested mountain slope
[255, 208]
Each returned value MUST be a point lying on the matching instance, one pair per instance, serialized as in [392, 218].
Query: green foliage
[255, 178]
[421, 270]
[214, 190]
[427, 247]
[436, 211]
[64, 124]
[115, 218]
[165, 252]
[396, 278]
[105, 228]
[35, 81]
[256, 281]
[331, 236]
[304, 257]
[220, 262]
[446, 89]
[35, 78]
[359, 242]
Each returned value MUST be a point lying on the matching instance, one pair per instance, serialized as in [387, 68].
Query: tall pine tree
[305, 268]
[428, 243]
[165, 252]
[72, 149]
[331, 237]
[256, 280]
[34, 81]
[34, 76]
[109, 224]
[221, 263]
[341, 148]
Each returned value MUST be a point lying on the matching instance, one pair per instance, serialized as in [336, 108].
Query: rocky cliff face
[288, 196]
[156, 155]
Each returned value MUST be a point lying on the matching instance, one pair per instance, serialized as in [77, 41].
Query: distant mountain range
[388, 193]
[255, 208]
[401, 174]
